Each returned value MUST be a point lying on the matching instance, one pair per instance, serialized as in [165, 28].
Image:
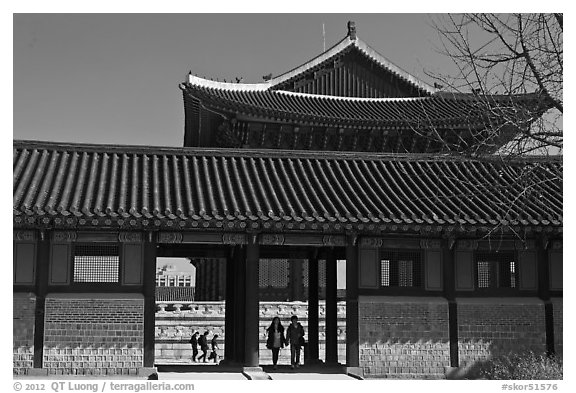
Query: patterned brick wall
[403, 337]
[23, 332]
[175, 325]
[94, 334]
[494, 326]
[558, 338]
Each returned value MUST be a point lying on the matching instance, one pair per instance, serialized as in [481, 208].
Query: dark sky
[113, 78]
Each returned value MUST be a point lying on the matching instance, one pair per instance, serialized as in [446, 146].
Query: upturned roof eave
[222, 100]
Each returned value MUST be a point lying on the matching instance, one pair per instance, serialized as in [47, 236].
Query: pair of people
[203, 342]
[276, 340]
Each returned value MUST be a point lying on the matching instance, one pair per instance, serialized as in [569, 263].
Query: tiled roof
[174, 294]
[74, 185]
[439, 111]
[342, 47]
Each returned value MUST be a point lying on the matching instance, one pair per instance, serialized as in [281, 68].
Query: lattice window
[321, 273]
[385, 272]
[273, 273]
[96, 263]
[400, 269]
[496, 270]
[484, 274]
[263, 273]
[405, 273]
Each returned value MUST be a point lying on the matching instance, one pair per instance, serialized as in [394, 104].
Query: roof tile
[460, 111]
[198, 186]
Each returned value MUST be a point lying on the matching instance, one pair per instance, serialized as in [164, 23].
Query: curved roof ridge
[322, 57]
[256, 87]
[203, 82]
[345, 98]
[266, 87]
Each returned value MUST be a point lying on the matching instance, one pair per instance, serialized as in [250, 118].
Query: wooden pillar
[221, 278]
[229, 308]
[239, 303]
[352, 333]
[42, 266]
[149, 298]
[200, 280]
[251, 337]
[331, 309]
[296, 282]
[311, 352]
[450, 295]
[544, 294]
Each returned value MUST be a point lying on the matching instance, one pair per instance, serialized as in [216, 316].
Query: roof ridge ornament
[352, 30]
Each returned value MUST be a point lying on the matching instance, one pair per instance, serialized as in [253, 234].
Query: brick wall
[24, 305]
[493, 326]
[558, 338]
[174, 326]
[403, 337]
[94, 334]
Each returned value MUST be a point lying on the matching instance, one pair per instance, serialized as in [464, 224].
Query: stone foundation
[94, 334]
[403, 337]
[23, 320]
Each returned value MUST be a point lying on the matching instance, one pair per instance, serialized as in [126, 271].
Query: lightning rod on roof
[323, 38]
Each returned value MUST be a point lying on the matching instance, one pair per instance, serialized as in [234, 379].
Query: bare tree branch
[560, 20]
[508, 55]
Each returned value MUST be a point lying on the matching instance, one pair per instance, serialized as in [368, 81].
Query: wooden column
[450, 295]
[251, 343]
[199, 294]
[331, 328]
[544, 293]
[229, 308]
[312, 349]
[149, 289]
[42, 266]
[239, 303]
[352, 333]
[296, 282]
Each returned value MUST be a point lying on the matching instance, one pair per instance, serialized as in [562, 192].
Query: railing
[270, 309]
[177, 321]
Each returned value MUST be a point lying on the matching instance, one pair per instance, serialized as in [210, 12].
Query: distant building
[169, 276]
[174, 285]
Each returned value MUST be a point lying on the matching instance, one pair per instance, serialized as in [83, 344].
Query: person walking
[194, 342]
[214, 353]
[275, 339]
[295, 337]
[203, 341]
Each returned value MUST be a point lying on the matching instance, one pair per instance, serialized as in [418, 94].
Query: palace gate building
[451, 257]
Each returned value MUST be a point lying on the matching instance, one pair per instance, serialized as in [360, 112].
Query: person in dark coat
[194, 342]
[295, 337]
[203, 341]
[214, 353]
[275, 339]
